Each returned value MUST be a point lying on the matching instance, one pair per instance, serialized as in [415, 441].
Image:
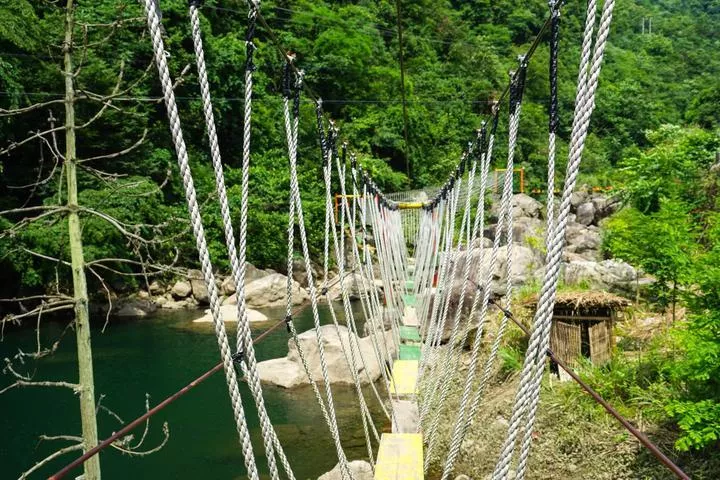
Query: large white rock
[270, 291]
[585, 214]
[229, 314]
[361, 470]
[611, 275]
[181, 289]
[288, 372]
[526, 206]
[582, 240]
[199, 289]
[355, 285]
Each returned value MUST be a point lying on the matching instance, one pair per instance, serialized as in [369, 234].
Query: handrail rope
[369, 289]
[350, 361]
[517, 85]
[462, 420]
[153, 21]
[237, 258]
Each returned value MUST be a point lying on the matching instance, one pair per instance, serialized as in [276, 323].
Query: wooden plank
[600, 346]
[566, 342]
[404, 377]
[410, 285]
[400, 457]
[410, 334]
[409, 300]
[405, 416]
[410, 318]
[409, 352]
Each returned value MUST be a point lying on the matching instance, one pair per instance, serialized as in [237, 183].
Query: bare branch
[53, 456]
[20, 111]
[120, 153]
[24, 383]
[34, 136]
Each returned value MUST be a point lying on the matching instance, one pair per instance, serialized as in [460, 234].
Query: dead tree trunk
[82, 317]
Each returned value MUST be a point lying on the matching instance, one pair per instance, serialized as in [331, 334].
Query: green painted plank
[410, 333]
[409, 300]
[410, 285]
[409, 352]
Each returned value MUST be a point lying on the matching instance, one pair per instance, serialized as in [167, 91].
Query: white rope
[528, 392]
[328, 410]
[151, 11]
[504, 222]
[237, 259]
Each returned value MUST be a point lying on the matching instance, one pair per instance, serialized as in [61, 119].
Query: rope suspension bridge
[409, 242]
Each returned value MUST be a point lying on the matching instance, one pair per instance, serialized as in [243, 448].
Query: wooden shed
[583, 325]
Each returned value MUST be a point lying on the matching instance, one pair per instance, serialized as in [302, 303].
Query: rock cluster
[288, 371]
[264, 289]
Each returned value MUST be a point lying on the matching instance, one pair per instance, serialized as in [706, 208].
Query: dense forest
[654, 139]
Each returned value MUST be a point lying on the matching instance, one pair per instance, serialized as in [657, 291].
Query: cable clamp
[288, 322]
[238, 356]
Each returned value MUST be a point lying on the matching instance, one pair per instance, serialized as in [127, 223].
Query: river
[157, 355]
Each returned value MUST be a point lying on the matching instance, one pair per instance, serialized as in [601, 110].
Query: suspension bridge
[411, 244]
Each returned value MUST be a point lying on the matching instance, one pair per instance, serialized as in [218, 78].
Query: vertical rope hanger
[238, 256]
[291, 89]
[151, 12]
[528, 391]
[554, 118]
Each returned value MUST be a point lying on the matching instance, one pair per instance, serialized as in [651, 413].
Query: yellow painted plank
[404, 377]
[400, 457]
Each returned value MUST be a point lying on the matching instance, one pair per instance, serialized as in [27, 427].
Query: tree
[33, 222]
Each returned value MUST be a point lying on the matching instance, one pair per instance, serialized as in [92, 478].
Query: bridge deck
[400, 457]
[404, 377]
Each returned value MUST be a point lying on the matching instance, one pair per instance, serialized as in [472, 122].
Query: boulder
[578, 198]
[227, 287]
[228, 313]
[585, 214]
[288, 372]
[181, 289]
[270, 291]
[612, 275]
[361, 470]
[582, 240]
[355, 285]
[529, 232]
[199, 289]
[155, 288]
[300, 273]
[134, 307]
[525, 206]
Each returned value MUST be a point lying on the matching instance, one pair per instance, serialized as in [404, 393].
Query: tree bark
[82, 317]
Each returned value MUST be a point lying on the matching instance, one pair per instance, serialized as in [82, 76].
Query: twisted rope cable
[295, 188]
[543, 316]
[462, 421]
[603, 32]
[351, 363]
[453, 353]
[151, 12]
[291, 129]
[249, 364]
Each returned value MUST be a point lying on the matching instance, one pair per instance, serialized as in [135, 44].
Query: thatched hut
[583, 325]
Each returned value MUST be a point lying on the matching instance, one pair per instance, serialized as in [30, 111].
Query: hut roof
[586, 299]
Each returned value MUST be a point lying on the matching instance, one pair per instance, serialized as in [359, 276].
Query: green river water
[157, 355]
